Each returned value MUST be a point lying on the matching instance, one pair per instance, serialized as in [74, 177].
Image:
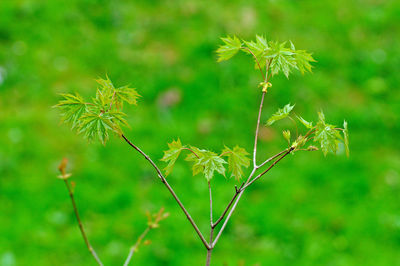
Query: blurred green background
[310, 210]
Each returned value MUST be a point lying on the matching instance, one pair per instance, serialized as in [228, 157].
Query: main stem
[90, 248]
[209, 251]
[164, 181]
[257, 129]
[255, 167]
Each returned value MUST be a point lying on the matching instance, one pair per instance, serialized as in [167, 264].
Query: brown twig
[164, 181]
[269, 168]
[151, 224]
[255, 58]
[90, 248]
[209, 251]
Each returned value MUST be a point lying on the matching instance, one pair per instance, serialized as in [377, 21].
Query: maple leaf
[171, 155]
[280, 114]
[237, 158]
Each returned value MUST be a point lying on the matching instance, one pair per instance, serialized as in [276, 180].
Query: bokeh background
[310, 210]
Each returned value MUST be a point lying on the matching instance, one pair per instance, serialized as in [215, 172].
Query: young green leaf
[280, 114]
[125, 94]
[259, 48]
[171, 155]
[282, 58]
[95, 125]
[346, 138]
[303, 60]
[207, 162]
[106, 87]
[326, 135]
[304, 122]
[72, 108]
[237, 158]
[231, 46]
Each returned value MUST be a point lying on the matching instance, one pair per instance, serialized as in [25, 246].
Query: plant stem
[134, 247]
[257, 129]
[208, 261]
[255, 167]
[269, 168]
[164, 181]
[237, 191]
[271, 158]
[255, 58]
[91, 250]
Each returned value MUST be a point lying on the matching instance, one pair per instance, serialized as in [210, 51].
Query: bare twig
[257, 128]
[90, 248]
[269, 168]
[152, 223]
[164, 181]
[208, 261]
[271, 158]
[237, 191]
[134, 248]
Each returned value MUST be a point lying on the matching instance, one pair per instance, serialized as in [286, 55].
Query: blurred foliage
[308, 211]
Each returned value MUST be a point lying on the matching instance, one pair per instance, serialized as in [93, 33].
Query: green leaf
[72, 108]
[282, 58]
[95, 125]
[280, 114]
[237, 158]
[231, 46]
[125, 94]
[207, 162]
[117, 119]
[259, 48]
[106, 87]
[305, 123]
[346, 138]
[171, 155]
[303, 60]
[327, 136]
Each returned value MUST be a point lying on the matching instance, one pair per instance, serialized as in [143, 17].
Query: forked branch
[165, 182]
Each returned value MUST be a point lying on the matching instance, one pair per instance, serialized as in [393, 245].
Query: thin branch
[237, 191]
[208, 260]
[269, 168]
[134, 248]
[257, 128]
[90, 248]
[189, 149]
[271, 158]
[267, 63]
[211, 204]
[239, 195]
[255, 58]
[164, 181]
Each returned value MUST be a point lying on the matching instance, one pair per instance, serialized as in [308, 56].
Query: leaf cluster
[275, 56]
[326, 135]
[95, 119]
[207, 162]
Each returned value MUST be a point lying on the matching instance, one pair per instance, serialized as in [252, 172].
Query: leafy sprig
[95, 119]
[326, 135]
[208, 162]
[279, 56]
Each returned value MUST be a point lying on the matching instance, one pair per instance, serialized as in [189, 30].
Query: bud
[286, 135]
